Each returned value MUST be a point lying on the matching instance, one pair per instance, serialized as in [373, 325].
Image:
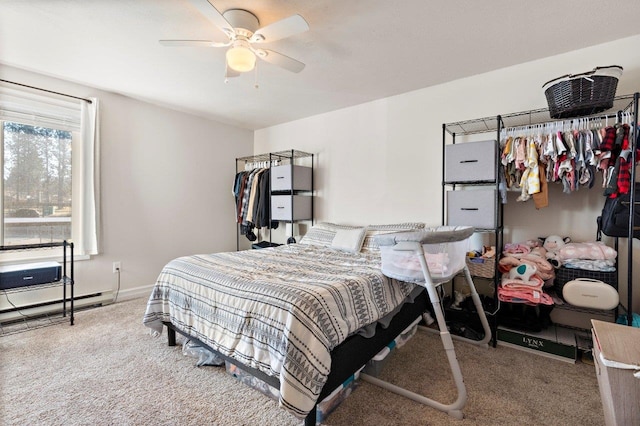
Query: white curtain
[86, 220]
[82, 119]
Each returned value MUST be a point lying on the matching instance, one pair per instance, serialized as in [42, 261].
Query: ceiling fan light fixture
[242, 30]
[240, 57]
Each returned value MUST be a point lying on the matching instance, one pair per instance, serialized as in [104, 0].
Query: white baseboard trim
[104, 298]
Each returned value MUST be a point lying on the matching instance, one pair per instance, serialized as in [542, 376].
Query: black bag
[614, 220]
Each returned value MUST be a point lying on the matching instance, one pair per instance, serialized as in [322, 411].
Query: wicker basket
[481, 267]
[564, 275]
[582, 94]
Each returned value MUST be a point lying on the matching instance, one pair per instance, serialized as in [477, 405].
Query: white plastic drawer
[281, 207]
[472, 208]
[468, 162]
[281, 179]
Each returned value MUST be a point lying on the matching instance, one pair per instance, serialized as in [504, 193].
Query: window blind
[25, 107]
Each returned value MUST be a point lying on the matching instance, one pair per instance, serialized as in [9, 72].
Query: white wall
[166, 175]
[166, 186]
[382, 161]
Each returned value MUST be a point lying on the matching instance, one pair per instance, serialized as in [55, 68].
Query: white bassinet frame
[413, 242]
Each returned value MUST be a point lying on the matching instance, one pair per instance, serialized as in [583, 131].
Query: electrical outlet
[116, 267]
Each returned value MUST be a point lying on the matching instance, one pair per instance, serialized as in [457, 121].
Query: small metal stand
[67, 274]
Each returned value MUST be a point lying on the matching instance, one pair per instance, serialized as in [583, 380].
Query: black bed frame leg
[310, 420]
[171, 336]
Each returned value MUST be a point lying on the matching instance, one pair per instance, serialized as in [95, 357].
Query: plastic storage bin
[445, 249]
[376, 364]
[335, 398]
[323, 408]
[252, 381]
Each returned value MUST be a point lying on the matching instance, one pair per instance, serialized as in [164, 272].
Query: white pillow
[349, 239]
[322, 234]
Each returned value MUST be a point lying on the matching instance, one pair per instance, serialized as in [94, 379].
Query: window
[49, 148]
[36, 182]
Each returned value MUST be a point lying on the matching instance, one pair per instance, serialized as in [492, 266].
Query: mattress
[279, 310]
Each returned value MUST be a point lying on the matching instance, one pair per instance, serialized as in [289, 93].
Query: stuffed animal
[552, 244]
[488, 252]
[523, 272]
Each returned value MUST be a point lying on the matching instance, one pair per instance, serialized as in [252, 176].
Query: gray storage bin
[281, 207]
[472, 208]
[470, 162]
[282, 180]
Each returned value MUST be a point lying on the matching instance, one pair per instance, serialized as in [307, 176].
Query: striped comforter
[280, 310]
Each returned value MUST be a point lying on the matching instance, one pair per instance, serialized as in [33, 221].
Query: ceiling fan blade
[192, 43]
[294, 24]
[280, 60]
[210, 12]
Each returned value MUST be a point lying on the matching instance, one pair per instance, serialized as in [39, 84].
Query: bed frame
[346, 358]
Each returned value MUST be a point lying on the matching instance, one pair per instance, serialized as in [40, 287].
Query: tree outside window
[36, 184]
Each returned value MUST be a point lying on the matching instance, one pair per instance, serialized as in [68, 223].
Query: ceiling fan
[242, 30]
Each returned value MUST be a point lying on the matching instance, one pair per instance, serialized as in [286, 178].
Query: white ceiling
[356, 50]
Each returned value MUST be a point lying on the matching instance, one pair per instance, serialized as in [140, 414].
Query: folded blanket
[534, 283]
[527, 296]
[515, 249]
[595, 250]
[544, 267]
[506, 263]
[590, 265]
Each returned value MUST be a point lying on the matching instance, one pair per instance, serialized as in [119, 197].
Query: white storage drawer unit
[281, 207]
[472, 207]
[469, 162]
[281, 178]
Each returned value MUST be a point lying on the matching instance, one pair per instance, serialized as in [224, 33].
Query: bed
[302, 317]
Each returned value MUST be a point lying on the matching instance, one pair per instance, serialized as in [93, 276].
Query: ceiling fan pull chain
[255, 82]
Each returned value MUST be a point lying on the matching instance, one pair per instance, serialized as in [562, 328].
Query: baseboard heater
[28, 274]
[42, 309]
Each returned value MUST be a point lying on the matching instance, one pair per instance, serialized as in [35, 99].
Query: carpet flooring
[108, 370]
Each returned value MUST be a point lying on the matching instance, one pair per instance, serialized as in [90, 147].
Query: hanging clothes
[252, 201]
[569, 153]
